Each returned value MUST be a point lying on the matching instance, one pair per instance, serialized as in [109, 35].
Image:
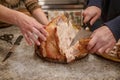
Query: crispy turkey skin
[57, 47]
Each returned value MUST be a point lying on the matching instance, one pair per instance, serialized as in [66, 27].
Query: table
[24, 65]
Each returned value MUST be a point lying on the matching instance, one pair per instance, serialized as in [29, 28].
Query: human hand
[102, 40]
[91, 14]
[31, 29]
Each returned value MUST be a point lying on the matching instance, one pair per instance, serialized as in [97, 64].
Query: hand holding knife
[82, 33]
[16, 43]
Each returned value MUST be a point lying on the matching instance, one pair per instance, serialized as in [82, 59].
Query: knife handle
[86, 25]
[18, 40]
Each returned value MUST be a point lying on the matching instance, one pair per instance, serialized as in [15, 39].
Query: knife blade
[82, 33]
[17, 42]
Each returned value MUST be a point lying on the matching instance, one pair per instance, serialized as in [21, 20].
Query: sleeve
[97, 3]
[31, 5]
[114, 26]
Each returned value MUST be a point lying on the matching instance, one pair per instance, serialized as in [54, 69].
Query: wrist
[95, 7]
[14, 17]
[18, 18]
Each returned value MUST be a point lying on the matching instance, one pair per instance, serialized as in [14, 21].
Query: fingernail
[106, 51]
[45, 39]
[38, 44]
[47, 34]
[44, 27]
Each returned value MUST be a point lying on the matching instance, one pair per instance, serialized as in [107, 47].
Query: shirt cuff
[32, 5]
[114, 26]
[97, 3]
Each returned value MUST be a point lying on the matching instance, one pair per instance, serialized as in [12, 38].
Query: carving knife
[82, 33]
[16, 43]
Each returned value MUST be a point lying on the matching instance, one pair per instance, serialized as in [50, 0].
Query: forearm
[34, 8]
[40, 16]
[114, 26]
[8, 15]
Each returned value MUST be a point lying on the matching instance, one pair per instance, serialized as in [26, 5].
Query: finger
[92, 43]
[27, 39]
[32, 37]
[108, 50]
[42, 30]
[83, 12]
[93, 20]
[44, 27]
[26, 36]
[96, 47]
[102, 49]
[86, 18]
[40, 35]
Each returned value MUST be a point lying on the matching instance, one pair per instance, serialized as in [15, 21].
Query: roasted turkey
[57, 47]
